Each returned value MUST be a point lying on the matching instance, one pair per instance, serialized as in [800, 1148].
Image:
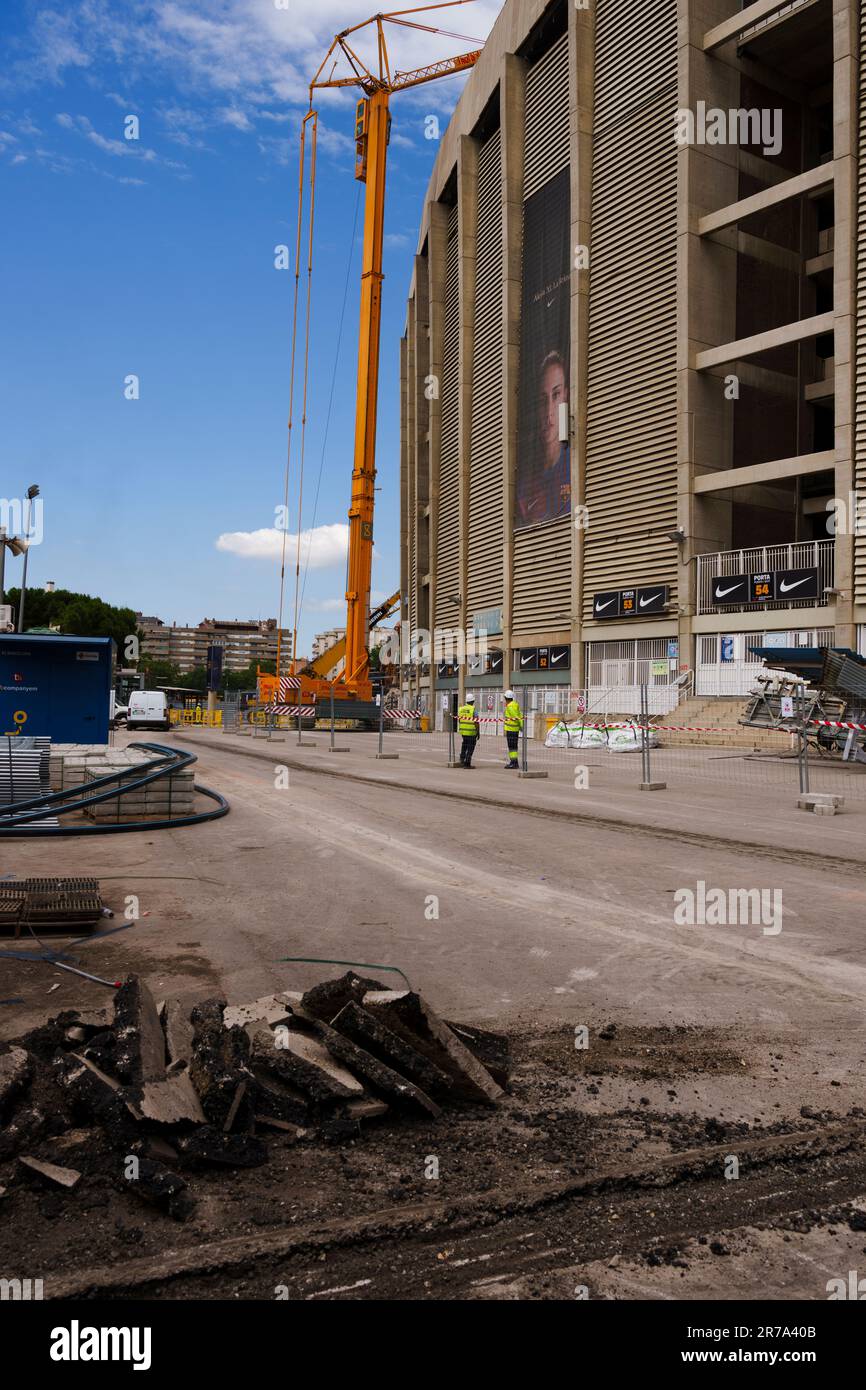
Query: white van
[148, 709]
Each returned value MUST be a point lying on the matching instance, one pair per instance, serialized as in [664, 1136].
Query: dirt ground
[605, 1172]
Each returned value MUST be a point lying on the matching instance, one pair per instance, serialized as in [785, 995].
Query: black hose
[23, 816]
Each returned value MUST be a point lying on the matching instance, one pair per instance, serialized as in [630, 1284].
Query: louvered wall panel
[485, 477]
[631, 467]
[860, 333]
[541, 598]
[546, 119]
[542, 579]
[448, 528]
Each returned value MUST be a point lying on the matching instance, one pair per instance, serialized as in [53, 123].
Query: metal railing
[759, 560]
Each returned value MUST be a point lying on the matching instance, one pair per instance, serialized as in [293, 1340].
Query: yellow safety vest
[466, 721]
[513, 717]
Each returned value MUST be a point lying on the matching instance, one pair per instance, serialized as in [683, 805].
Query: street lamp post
[32, 491]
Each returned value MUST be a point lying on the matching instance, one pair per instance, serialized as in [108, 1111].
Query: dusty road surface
[731, 1053]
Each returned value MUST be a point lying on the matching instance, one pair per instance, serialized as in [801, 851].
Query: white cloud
[246, 56]
[20, 159]
[321, 547]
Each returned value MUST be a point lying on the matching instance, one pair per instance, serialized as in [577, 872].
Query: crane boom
[372, 126]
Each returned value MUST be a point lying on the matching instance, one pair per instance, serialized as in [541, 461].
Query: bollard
[647, 785]
[380, 753]
[523, 770]
[803, 754]
[303, 742]
[333, 747]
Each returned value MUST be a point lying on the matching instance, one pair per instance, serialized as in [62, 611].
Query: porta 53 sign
[628, 603]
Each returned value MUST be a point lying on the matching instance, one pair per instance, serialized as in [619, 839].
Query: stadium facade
[633, 434]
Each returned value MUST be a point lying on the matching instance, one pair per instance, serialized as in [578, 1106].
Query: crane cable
[306, 368]
[335, 368]
[285, 517]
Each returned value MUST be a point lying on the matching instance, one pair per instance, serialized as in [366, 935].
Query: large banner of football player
[543, 490]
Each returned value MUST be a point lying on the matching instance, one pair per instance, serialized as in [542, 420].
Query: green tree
[79, 615]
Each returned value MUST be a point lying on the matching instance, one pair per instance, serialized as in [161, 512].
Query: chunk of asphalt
[269, 1009]
[159, 1186]
[325, 1001]
[61, 1177]
[219, 1063]
[15, 1073]
[381, 1041]
[140, 1053]
[276, 1100]
[98, 1095]
[211, 1146]
[172, 1101]
[294, 1068]
[380, 1078]
[410, 1015]
[492, 1050]
[178, 1029]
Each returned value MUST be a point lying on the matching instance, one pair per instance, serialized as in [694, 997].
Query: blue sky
[155, 258]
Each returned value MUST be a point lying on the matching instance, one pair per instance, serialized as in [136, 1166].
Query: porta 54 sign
[774, 586]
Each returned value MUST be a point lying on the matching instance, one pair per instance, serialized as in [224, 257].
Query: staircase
[720, 712]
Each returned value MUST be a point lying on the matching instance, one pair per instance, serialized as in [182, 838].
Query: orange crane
[354, 690]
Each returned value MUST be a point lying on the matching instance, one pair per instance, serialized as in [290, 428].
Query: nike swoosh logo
[524, 659]
[600, 607]
[652, 598]
[554, 659]
[783, 587]
[723, 593]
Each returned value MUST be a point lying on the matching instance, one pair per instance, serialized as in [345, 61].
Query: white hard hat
[470, 699]
[509, 694]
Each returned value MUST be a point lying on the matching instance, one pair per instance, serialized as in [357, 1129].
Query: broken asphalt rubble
[180, 1085]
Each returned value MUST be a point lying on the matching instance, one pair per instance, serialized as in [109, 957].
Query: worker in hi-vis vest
[513, 725]
[469, 728]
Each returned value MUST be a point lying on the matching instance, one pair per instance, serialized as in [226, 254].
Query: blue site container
[56, 685]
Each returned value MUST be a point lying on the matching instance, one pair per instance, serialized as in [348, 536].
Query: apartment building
[244, 642]
[633, 374]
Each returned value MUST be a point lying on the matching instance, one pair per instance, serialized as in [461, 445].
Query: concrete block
[824, 803]
[532, 774]
[393, 757]
[653, 786]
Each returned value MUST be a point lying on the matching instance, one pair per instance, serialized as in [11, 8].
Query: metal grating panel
[546, 119]
[631, 469]
[542, 578]
[485, 478]
[860, 328]
[448, 537]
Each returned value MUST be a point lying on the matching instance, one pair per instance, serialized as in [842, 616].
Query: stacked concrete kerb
[167, 798]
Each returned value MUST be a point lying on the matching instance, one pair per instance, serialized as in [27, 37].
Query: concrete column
[707, 179]
[581, 66]
[467, 236]
[845, 119]
[512, 100]
[420, 494]
[437, 246]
